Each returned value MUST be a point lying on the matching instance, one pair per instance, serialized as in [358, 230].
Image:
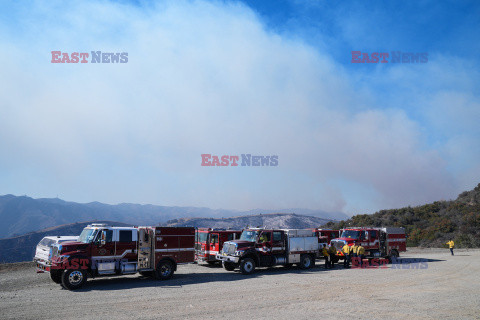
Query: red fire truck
[104, 250]
[385, 242]
[209, 242]
[266, 247]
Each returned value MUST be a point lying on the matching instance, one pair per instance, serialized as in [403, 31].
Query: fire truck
[385, 242]
[103, 250]
[259, 247]
[325, 236]
[209, 242]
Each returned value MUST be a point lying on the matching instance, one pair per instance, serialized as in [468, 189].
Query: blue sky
[233, 77]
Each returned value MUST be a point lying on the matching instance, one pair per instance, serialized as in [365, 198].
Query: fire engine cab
[106, 250]
[209, 242]
[378, 242]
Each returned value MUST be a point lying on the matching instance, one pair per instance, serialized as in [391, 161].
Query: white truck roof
[299, 232]
[393, 230]
[106, 226]
[61, 237]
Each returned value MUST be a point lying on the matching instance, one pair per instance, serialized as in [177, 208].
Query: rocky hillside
[22, 248]
[430, 225]
[271, 220]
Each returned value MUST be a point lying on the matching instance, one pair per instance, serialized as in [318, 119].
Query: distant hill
[305, 212]
[430, 225]
[22, 248]
[20, 215]
[271, 220]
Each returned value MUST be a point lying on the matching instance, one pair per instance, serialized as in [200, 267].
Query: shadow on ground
[200, 276]
[179, 279]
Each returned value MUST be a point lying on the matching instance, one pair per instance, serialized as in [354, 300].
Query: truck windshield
[202, 237]
[249, 235]
[87, 235]
[46, 242]
[350, 234]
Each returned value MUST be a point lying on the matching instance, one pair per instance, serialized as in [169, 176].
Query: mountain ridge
[270, 220]
[23, 214]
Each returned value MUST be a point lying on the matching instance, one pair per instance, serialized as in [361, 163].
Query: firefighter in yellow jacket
[353, 250]
[361, 254]
[326, 255]
[353, 253]
[451, 245]
[333, 255]
[347, 255]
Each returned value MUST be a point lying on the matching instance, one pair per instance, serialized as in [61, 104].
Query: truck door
[373, 239]
[103, 246]
[278, 243]
[264, 243]
[214, 243]
[126, 243]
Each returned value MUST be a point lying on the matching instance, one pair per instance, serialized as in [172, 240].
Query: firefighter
[326, 255]
[346, 254]
[333, 255]
[451, 245]
[263, 238]
[264, 241]
[361, 254]
[353, 253]
[353, 249]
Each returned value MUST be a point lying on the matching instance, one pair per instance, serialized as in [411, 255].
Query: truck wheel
[247, 266]
[56, 276]
[164, 270]
[73, 279]
[306, 261]
[228, 266]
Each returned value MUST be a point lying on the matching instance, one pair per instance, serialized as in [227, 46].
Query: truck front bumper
[231, 259]
[205, 258]
[42, 266]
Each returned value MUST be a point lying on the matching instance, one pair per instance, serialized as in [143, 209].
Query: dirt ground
[439, 287]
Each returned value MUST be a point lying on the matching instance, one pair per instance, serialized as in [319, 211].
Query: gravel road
[441, 287]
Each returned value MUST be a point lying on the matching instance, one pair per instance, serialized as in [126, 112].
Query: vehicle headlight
[238, 252]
